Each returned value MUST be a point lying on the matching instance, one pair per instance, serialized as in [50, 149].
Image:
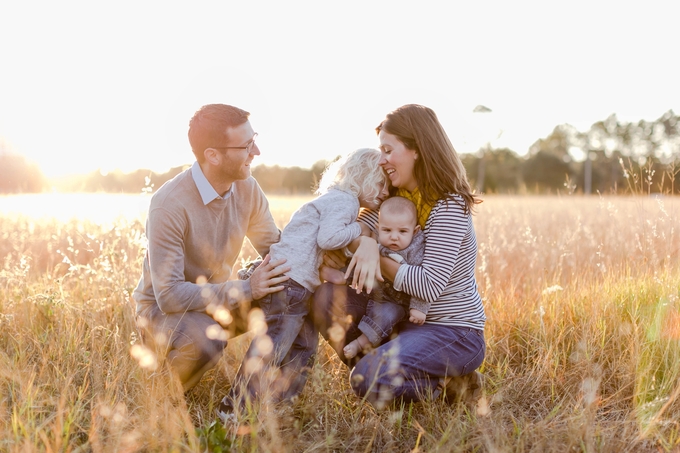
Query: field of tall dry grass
[582, 296]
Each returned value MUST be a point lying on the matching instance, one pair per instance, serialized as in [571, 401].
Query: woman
[444, 352]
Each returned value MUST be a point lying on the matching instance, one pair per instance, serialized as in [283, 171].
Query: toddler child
[328, 222]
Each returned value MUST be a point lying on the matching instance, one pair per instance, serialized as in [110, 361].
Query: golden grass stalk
[582, 297]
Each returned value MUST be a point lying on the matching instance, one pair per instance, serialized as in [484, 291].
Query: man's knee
[320, 303]
[190, 357]
[321, 298]
[197, 348]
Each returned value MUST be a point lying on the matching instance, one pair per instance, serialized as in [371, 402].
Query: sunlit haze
[86, 85]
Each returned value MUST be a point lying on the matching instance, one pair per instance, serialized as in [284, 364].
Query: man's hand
[416, 317]
[335, 259]
[267, 276]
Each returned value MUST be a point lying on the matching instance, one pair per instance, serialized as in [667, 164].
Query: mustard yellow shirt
[423, 209]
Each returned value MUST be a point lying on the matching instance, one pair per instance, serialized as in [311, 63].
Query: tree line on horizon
[610, 157]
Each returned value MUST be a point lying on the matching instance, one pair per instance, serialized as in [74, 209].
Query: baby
[401, 239]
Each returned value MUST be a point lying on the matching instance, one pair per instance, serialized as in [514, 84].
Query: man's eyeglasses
[249, 146]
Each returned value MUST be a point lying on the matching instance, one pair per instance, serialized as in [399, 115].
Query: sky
[94, 85]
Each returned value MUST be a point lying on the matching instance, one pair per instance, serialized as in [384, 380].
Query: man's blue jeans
[279, 360]
[407, 368]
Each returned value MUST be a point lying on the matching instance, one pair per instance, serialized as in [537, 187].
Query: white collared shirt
[207, 191]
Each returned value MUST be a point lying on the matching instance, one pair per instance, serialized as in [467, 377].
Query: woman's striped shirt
[446, 277]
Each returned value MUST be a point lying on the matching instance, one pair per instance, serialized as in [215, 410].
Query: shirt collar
[208, 193]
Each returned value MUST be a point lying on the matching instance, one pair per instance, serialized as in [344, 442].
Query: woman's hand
[366, 265]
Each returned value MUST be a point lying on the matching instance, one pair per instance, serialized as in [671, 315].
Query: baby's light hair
[399, 205]
[357, 173]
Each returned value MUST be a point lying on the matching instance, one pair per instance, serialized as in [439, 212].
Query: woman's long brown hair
[438, 170]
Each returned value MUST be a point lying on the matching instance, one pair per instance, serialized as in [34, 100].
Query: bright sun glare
[79, 95]
[99, 208]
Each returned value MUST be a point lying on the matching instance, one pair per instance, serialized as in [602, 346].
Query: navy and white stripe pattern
[446, 277]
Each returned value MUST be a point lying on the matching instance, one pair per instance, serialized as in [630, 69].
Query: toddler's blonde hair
[357, 173]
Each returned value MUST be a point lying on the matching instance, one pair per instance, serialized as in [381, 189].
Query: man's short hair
[209, 125]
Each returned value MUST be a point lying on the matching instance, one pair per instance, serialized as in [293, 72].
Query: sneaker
[466, 389]
[225, 412]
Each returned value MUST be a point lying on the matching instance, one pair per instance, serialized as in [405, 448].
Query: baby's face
[396, 230]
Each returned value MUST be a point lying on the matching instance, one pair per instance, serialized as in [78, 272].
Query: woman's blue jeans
[407, 368]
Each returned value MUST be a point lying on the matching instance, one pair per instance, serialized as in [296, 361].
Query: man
[195, 229]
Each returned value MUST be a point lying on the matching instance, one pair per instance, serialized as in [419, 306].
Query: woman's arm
[447, 228]
[389, 267]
